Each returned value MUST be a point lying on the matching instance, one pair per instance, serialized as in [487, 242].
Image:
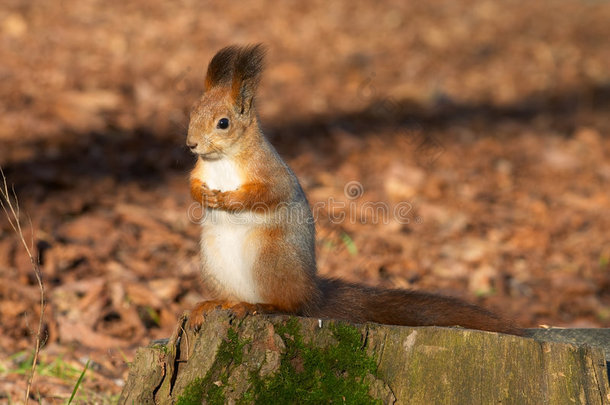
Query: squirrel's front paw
[211, 198]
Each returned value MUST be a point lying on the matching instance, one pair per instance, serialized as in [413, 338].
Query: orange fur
[290, 289]
[249, 196]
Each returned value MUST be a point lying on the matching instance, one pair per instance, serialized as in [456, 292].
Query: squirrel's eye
[223, 123]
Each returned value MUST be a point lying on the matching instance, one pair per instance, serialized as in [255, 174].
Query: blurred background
[487, 123]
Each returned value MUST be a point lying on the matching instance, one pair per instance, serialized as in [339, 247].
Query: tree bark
[235, 360]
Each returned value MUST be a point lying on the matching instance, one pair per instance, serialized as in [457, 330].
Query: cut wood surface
[597, 337]
[260, 358]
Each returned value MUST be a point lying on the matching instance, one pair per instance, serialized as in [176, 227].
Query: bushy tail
[357, 303]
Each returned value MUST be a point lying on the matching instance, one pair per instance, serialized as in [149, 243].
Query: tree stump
[281, 359]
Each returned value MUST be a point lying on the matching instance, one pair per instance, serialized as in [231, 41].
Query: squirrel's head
[226, 109]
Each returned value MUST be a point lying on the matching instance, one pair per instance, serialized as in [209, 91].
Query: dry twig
[13, 214]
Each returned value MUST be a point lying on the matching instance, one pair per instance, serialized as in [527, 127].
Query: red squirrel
[258, 234]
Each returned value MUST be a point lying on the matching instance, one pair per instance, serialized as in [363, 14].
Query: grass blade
[80, 379]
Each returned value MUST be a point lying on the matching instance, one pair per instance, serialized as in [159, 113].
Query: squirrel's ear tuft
[220, 69]
[246, 75]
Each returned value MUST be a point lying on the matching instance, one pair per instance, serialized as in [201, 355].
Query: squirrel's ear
[220, 69]
[246, 75]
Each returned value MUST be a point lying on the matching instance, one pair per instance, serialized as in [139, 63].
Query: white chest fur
[222, 175]
[229, 253]
[229, 248]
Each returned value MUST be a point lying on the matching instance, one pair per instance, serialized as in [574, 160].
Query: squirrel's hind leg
[240, 309]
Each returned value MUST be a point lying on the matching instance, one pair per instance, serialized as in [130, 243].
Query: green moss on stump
[309, 374]
[306, 374]
[210, 388]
